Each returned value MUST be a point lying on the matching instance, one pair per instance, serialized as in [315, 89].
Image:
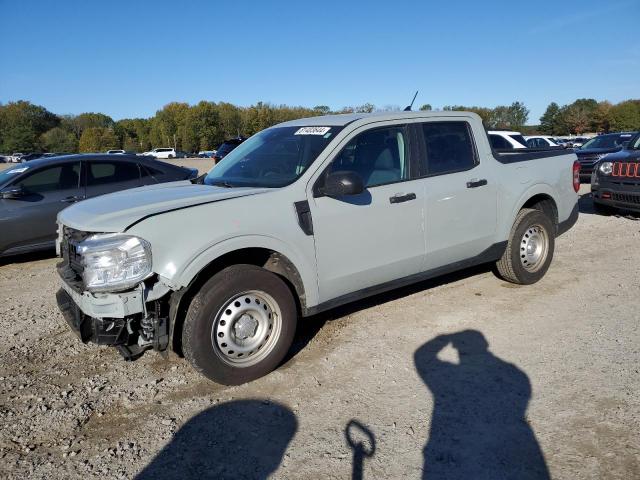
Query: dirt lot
[557, 388]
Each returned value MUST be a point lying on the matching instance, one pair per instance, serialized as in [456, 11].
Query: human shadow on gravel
[237, 439]
[478, 426]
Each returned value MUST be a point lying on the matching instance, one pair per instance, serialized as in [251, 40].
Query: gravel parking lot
[471, 370]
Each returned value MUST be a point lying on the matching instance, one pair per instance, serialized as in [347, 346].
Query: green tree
[550, 120]
[59, 140]
[625, 115]
[98, 139]
[22, 124]
[426, 107]
[322, 109]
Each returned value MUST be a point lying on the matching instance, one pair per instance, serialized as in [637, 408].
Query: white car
[541, 141]
[116, 152]
[16, 157]
[506, 140]
[162, 153]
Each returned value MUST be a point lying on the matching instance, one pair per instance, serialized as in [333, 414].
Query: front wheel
[240, 325]
[530, 248]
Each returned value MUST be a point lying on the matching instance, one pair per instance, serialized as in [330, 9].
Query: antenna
[408, 107]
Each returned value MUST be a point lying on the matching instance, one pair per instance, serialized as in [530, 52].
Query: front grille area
[626, 169]
[68, 248]
[626, 198]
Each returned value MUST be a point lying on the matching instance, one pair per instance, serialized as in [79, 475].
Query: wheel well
[545, 204]
[262, 257]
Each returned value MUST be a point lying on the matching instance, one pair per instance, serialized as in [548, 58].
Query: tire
[602, 209]
[170, 156]
[240, 325]
[532, 232]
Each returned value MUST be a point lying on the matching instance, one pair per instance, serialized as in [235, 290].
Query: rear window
[449, 147]
[101, 173]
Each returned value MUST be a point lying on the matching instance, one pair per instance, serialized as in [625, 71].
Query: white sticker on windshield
[18, 170]
[312, 130]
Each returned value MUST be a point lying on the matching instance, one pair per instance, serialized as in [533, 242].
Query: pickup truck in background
[300, 218]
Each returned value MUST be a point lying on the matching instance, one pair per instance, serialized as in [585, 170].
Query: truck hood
[115, 212]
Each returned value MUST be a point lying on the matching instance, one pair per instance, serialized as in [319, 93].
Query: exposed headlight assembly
[605, 168]
[113, 262]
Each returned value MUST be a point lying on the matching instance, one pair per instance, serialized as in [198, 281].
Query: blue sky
[129, 58]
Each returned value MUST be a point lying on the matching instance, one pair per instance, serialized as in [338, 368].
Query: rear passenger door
[106, 176]
[460, 193]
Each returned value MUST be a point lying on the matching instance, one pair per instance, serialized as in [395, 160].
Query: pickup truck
[300, 218]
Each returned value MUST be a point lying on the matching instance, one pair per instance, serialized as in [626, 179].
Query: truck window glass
[449, 147]
[379, 156]
[272, 158]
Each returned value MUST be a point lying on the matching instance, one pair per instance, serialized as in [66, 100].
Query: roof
[343, 119]
[84, 156]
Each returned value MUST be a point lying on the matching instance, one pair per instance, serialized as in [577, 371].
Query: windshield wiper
[224, 184]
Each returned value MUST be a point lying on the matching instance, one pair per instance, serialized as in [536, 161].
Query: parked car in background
[31, 156]
[206, 153]
[16, 156]
[162, 153]
[577, 142]
[615, 181]
[32, 194]
[116, 152]
[303, 217]
[596, 148]
[226, 147]
[506, 140]
[540, 141]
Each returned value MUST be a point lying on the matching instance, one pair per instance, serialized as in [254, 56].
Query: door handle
[71, 199]
[474, 183]
[402, 197]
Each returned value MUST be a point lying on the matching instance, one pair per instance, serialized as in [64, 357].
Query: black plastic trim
[304, 217]
[569, 222]
[491, 254]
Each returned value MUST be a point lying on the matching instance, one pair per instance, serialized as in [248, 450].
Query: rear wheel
[240, 325]
[530, 248]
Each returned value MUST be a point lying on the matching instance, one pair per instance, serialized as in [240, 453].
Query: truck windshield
[272, 158]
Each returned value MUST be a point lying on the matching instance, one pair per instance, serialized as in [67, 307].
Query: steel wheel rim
[534, 247]
[246, 329]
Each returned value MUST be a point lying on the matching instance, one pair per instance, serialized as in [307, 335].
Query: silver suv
[302, 217]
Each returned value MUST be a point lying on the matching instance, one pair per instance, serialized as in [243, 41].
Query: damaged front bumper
[132, 321]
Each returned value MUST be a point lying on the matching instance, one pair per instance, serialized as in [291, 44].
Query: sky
[129, 58]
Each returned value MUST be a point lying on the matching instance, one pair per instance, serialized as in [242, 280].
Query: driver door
[377, 236]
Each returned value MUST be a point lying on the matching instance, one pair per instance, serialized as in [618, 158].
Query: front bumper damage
[132, 321]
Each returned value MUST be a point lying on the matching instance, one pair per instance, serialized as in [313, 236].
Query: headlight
[605, 168]
[114, 261]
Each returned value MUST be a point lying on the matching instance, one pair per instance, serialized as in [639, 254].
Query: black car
[596, 148]
[226, 147]
[616, 181]
[32, 194]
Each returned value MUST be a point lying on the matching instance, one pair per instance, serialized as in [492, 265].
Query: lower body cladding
[131, 321]
[622, 195]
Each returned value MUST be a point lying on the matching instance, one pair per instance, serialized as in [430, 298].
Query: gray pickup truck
[300, 218]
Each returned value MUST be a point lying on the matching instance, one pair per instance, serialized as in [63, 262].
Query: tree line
[25, 127]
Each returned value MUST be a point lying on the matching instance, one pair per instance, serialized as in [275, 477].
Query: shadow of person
[238, 439]
[478, 427]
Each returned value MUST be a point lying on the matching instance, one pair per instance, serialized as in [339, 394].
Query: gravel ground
[556, 390]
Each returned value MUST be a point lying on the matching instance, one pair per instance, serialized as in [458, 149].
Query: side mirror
[12, 193]
[339, 184]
